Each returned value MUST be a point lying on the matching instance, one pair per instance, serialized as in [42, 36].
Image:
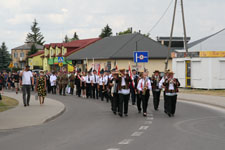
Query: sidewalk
[29, 116]
[217, 101]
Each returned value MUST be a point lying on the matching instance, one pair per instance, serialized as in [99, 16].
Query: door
[188, 73]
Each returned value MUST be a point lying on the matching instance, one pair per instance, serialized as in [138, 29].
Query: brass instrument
[145, 87]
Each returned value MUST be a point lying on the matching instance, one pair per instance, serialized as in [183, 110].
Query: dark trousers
[133, 95]
[78, 90]
[156, 99]
[115, 102]
[88, 90]
[95, 91]
[101, 92]
[53, 89]
[171, 104]
[123, 103]
[145, 99]
[71, 90]
[26, 94]
[139, 102]
[165, 102]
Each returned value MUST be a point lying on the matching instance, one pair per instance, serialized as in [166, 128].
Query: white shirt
[106, 78]
[88, 79]
[101, 80]
[95, 78]
[161, 82]
[53, 80]
[142, 83]
[26, 78]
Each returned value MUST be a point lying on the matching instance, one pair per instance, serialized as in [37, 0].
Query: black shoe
[120, 115]
[115, 113]
[169, 114]
[145, 114]
[165, 112]
[156, 109]
[25, 105]
[126, 115]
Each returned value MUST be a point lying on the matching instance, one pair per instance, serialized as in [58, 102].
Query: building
[35, 61]
[53, 51]
[119, 51]
[204, 66]
[20, 54]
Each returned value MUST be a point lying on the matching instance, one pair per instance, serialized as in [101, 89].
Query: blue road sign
[140, 57]
[60, 59]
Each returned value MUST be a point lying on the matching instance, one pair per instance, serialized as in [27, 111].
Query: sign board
[212, 54]
[140, 57]
[60, 59]
[60, 64]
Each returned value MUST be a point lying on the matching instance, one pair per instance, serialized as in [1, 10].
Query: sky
[58, 18]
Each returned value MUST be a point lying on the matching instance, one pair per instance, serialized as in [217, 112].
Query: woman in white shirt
[144, 87]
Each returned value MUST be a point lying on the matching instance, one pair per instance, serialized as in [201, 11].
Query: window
[15, 54]
[15, 65]
[22, 55]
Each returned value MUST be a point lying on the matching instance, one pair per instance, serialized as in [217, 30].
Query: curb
[55, 116]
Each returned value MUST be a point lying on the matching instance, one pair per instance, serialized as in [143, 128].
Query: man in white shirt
[88, 81]
[53, 79]
[94, 79]
[27, 81]
[144, 87]
[101, 85]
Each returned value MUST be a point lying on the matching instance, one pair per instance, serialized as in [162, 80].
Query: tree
[106, 32]
[33, 50]
[66, 39]
[75, 37]
[129, 30]
[35, 36]
[4, 57]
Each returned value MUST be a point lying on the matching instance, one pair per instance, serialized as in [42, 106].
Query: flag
[131, 76]
[99, 69]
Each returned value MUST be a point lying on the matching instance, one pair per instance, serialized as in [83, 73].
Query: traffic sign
[60, 64]
[140, 57]
[11, 65]
[60, 59]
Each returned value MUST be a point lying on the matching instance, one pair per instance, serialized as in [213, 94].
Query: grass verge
[7, 103]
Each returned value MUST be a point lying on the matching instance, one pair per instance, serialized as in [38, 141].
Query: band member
[64, 81]
[124, 92]
[78, 83]
[101, 85]
[59, 82]
[162, 87]
[72, 82]
[82, 84]
[114, 92]
[94, 79]
[171, 89]
[88, 82]
[133, 86]
[155, 89]
[139, 94]
[144, 87]
[106, 89]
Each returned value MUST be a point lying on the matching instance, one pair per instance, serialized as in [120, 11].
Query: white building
[204, 67]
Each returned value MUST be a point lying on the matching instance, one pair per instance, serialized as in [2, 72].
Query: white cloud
[21, 18]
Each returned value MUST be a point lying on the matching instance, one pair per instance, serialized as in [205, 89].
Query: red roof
[36, 54]
[47, 45]
[78, 44]
[54, 45]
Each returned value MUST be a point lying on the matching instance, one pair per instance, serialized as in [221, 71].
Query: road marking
[148, 122]
[113, 149]
[150, 118]
[143, 127]
[137, 134]
[125, 141]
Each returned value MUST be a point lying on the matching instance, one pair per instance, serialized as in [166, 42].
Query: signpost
[60, 59]
[141, 57]
[60, 64]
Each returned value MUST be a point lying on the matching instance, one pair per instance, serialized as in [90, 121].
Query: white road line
[143, 127]
[148, 122]
[137, 134]
[125, 141]
[113, 149]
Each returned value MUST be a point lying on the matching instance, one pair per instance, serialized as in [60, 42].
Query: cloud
[21, 18]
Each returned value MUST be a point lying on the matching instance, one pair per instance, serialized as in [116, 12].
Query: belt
[123, 87]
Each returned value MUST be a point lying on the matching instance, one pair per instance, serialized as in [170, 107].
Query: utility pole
[171, 33]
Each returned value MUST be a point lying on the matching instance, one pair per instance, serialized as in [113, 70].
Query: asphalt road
[90, 125]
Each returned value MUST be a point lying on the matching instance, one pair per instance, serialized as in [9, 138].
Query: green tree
[4, 57]
[66, 39]
[106, 32]
[75, 37]
[33, 50]
[129, 30]
[35, 36]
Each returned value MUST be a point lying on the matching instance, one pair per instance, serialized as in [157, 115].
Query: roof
[214, 42]
[36, 54]
[27, 46]
[78, 44]
[121, 47]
